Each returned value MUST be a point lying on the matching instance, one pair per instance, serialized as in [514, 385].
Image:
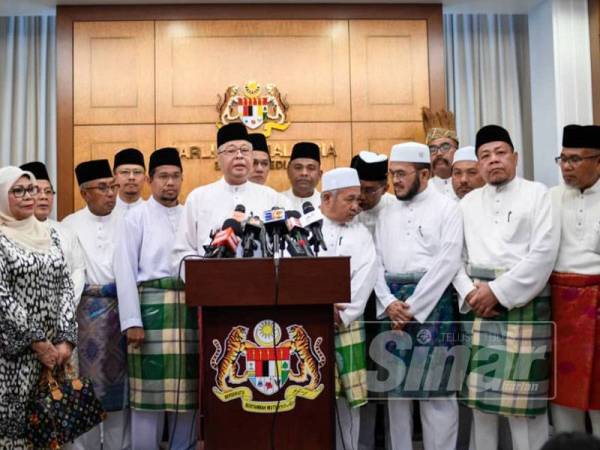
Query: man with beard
[206, 207]
[346, 237]
[101, 347]
[44, 202]
[441, 137]
[130, 173]
[162, 333]
[576, 282]
[465, 172]
[419, 241]
[511, 242]
[261, 160]
[304, 172]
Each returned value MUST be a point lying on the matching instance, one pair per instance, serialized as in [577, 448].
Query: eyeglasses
[129, 172]
[20, 191]
[165, 177]
[47, 191]
[233, 151]
[574, 160]
[104, 188]
[400, 174]
[442, 148]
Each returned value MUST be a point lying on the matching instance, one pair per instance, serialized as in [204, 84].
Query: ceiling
[48, 7]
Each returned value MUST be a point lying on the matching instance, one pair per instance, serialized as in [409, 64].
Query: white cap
[465, 154]
[340, 178]
[411, 152]
[372, 157]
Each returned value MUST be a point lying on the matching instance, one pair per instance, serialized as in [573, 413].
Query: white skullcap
[411, 152]
[340, 178]
[372, 157]
[465, 154]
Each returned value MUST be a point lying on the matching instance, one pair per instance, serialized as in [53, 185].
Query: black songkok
[579, 136]
[167, 156]
[129, 156]
[92, 170]
[491, 133]
[306, 150]
[232, 132]
[370, 166]
[38, 169]
[259, 142]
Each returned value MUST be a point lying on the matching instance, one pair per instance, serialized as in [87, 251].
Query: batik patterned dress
[36, 303]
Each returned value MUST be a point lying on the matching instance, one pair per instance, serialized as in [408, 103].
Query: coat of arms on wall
[253, 107]
[267, 365]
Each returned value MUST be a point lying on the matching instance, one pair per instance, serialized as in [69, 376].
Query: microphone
[225, 242]
[253, 229]
[239, 213]
[298, 233]
[274, 221]
[313, 220]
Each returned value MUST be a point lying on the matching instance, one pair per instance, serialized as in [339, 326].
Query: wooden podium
[267, 357]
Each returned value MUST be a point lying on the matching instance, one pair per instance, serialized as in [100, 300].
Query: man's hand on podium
[337, 309]
[135, 336]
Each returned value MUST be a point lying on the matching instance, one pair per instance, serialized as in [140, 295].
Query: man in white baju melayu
[419, 242]
[129, 169]
[162, 332]
[101, 349]
[344, 236]
[207, 207]
[511, 242]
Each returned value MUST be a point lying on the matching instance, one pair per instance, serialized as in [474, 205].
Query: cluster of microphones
[270, 235]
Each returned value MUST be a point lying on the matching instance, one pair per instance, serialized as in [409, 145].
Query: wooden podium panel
[309, 425]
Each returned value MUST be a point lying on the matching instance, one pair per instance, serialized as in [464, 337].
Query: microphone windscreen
[307, 207]
[292, 213]
[233, 224]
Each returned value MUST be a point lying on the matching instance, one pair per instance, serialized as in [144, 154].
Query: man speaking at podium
[347, 237]
[208, 206]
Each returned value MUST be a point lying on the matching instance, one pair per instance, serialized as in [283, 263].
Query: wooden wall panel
[97, 142]
[389, 69]
[380, 136]
[114, 74]
[307, 60]
[196, 143]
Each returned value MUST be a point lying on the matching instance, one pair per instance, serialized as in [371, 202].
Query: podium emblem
[253, 107]
[266, 365]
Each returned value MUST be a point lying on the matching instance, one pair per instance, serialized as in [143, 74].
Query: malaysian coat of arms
[267, 365]
[253, 107]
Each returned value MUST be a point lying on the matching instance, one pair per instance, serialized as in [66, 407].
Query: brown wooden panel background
[148, 76]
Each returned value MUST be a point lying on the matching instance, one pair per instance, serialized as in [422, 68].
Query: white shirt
[296, 202]
[579, 250]
[73, 256]
[444, 186]
[370, 217]
[207, 207]
[424, 234]
[143, 252]
[354, 240]
[122, 207]
[97, 235]
[510, 228]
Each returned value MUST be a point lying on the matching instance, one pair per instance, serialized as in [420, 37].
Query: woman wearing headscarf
[37, 312]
